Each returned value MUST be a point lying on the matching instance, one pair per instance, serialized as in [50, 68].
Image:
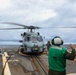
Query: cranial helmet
[57, 41]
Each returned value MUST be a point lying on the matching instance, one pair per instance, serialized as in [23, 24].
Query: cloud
[44, 13]
[4, 4]
[65, 15]
[72, 1]
[31, 11]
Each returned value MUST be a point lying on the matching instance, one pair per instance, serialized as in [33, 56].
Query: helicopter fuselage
[32, 42]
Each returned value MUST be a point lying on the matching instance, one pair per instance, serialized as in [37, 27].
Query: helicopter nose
[34, 41]
[35, 47]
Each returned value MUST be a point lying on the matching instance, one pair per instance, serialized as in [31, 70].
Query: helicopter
[32, 42]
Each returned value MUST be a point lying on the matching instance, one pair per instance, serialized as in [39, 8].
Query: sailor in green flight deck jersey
[57, 56]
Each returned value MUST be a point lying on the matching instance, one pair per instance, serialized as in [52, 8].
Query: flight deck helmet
[57, 41]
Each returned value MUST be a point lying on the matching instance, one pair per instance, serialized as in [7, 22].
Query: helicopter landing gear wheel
[21, 49]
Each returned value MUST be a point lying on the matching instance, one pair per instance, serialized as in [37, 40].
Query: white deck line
[7, 70]
[6, 55]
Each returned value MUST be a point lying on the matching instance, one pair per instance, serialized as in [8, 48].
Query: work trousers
[52, 72]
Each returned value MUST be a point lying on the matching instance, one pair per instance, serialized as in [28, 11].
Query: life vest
[56, 58]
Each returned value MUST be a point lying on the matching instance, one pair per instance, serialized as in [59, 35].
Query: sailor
[57, 56]
[48, 44]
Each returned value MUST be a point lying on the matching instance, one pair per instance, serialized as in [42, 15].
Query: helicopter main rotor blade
[67, 27]
[10, 28]
[25, 27]
[57, 27]
[15, 24]
[64, 27]
[33, 27]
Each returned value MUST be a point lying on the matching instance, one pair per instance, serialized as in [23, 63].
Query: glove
[73, 49]
[72, 46]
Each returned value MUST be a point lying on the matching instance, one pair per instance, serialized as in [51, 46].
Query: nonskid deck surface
[71, 74]
[23, 64]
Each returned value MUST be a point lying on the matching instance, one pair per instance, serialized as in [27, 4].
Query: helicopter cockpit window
[34, 38]
[39, 38]
[27, 38]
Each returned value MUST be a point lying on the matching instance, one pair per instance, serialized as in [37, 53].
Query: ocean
[17, 45]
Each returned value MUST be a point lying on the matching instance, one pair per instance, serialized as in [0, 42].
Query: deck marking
[6, 70]
[6, 55]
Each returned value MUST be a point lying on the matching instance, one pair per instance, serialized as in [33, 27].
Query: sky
[43, 13]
